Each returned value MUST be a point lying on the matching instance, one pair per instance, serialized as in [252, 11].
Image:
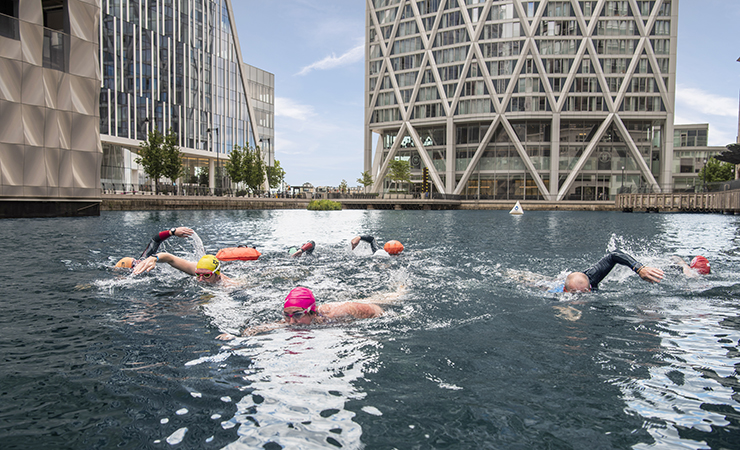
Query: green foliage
[275, 175]
[343, 186]
[151, 155]
[324, 205]
[245, 165]
[365, 179]
[160, 156]
[202, 176]
[399, 171]
[715, 170]
[172, 157]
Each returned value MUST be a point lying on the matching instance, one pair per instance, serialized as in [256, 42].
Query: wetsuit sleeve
[371, 240]
[601, 269]
[154, 244]
[308, 247]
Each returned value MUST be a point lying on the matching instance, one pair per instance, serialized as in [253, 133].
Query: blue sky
[315, 48]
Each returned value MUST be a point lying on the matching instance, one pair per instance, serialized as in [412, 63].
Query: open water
[475, 354]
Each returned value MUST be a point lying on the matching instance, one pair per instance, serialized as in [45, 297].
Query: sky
[315, 48]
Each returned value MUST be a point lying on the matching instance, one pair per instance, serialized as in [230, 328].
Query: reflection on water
[475, 355]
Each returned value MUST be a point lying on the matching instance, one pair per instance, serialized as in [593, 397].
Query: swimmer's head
[208, 269]
[701, 265]
[577, 282]
[300, 297]
[126, 263]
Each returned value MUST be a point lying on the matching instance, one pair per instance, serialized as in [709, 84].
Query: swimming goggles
[296, 315]
[207, 274]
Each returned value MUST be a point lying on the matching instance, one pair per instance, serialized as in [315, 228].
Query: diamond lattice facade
[513, 99]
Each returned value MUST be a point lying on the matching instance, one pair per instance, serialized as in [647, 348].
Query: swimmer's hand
[225, 337]
[146, 265]
[183, 232]
[651, 274]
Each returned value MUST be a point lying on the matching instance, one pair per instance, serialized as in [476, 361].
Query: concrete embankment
[122, 202]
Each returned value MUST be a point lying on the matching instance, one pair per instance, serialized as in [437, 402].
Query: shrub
[241, 193]
[324, 205]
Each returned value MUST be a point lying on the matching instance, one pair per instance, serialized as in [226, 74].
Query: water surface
[472, 356]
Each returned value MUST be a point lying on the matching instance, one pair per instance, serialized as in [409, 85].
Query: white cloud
[703, 102]
[285, 107]
[331, 62]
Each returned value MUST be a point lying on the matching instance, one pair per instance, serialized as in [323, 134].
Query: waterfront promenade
[129, 202]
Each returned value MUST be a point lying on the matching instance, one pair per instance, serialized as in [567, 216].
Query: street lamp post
[704, 176]
[218, 161]
[621, 190]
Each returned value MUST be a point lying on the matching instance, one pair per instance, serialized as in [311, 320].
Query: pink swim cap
[301, 297]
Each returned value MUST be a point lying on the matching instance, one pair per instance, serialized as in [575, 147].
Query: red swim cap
[301, 297]
[700, 264]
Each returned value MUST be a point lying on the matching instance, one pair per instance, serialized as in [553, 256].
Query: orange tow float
[393, 247]
[238, 254]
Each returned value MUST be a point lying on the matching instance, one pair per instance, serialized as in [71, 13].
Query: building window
[9, 19]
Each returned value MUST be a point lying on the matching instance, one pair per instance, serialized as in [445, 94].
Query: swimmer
[589, 280]
[300, 308]
[391, 247]
[698, 266]
[153, 246]
[367, 238]
[207, 269]
[306, 248]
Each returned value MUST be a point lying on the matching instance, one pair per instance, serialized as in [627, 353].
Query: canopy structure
[732, 155]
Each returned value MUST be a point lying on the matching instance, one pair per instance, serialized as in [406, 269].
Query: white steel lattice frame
[378, 166]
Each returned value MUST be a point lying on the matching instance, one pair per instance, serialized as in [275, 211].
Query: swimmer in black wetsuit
[589, 280]
[153, 246]
[367, 238]
[306, 248]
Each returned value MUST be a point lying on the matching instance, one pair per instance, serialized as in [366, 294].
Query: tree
[275, 175]
[254, 169]
[151, 156]
[715, 170]
[235, 165]
[171, 157]
[399, 171]
[343, 186]
[365, 179]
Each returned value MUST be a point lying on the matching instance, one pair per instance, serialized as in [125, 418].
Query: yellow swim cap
[125, 263]
[210, 262]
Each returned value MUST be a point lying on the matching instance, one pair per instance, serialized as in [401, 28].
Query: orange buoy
[393, 247]
[238, 254]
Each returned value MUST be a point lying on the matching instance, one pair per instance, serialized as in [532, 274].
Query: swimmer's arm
[163, 235]
[350, 309]
[687, 270]
[297, 254]
[384, 298]
[252, 331]
[174, 261]
[651, 274]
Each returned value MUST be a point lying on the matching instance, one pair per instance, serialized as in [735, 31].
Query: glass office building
[514, 99]
[174, 65]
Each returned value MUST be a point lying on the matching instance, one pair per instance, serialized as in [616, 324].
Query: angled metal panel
[65, 180]
[64, 124]
[33, 125]
[83, 58]
[84, 95]
[51, 129]
[32, 43]
[34, 167]
[64, 95]
[31, 92]
[83, 133]
[11, 123]
[30, 11]
[11, 49]
[11, 156]
[84, 167]
[10, 79]
[51, 80]
[83, 18]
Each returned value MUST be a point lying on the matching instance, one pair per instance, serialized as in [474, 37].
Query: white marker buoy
[517, 209]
